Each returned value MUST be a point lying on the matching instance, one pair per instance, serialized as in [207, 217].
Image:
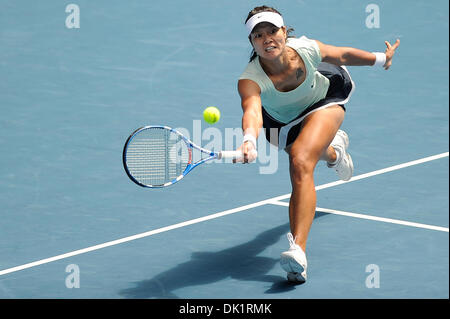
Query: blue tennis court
[72, 90]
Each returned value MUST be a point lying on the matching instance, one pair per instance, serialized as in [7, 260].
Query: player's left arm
[352, 56]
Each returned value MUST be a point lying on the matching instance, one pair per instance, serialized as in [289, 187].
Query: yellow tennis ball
[211, 115]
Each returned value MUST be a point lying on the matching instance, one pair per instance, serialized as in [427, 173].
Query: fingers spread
[396, 44]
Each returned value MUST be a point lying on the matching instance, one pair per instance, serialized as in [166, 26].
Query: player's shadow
[239, 262]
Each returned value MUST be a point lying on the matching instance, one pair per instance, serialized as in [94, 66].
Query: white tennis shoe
[294, 262]
[344, 163]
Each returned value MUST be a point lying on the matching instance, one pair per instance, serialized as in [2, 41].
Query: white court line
[138, 236]
[209, 217]
[377, 172]
[370, 217]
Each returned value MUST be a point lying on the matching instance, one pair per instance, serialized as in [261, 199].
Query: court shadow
[239, 262]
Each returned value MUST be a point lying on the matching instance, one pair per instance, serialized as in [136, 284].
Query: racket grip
[230, 154]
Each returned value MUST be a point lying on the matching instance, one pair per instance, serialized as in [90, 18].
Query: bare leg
[311, 145]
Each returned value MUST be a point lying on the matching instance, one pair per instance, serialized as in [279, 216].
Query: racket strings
[157, 156]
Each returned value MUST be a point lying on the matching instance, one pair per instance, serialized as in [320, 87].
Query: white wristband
[251, 138]
[380, 58]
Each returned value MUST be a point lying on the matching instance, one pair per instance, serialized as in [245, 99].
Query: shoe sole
[296, 278]
[345, 137]
[346, 145]
[347, 178]
[292, 267]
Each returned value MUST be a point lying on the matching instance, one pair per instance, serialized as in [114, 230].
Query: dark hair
[257, 10]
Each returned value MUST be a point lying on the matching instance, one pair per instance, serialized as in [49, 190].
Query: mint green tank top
[286, 106]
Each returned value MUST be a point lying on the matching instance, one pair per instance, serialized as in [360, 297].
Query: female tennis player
[295, 89]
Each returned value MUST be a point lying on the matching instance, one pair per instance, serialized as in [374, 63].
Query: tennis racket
[159, 156]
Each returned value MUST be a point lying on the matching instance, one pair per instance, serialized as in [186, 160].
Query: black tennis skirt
[339, 92]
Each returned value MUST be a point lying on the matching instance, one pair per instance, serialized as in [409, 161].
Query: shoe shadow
[239, 262]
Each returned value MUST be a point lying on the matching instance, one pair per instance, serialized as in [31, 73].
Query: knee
[301, 167]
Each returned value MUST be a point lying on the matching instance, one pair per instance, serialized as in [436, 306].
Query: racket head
[156, 156]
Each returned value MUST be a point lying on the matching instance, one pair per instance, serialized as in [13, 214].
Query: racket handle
[230, 154]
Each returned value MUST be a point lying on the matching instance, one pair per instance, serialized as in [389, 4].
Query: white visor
[270, 17]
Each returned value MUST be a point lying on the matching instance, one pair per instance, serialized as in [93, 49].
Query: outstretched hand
[390, 53]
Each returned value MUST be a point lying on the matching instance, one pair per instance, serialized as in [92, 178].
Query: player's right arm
[252, 122]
